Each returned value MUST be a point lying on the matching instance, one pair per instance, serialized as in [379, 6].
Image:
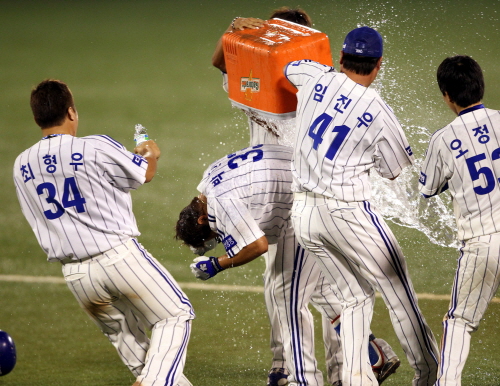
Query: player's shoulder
[308, 67]
[102, 140]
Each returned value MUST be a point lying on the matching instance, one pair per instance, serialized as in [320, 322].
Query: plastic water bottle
[140, 135]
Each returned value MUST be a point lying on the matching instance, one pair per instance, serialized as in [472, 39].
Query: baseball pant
[296, 282]
[321, 297]
[358, 253]
[476, 282]
[124, 291]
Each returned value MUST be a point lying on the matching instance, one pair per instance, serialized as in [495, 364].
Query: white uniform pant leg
[476, 282]
[138, 287]
[294, 287]
[270, 276]
[125, 331]
[327, 303]
[359, 253]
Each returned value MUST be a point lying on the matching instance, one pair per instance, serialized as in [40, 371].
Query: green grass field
[148, 62]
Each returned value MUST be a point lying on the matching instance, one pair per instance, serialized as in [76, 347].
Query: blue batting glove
[205, 267]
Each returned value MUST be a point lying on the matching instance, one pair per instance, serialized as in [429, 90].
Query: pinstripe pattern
[373, 137]
[463, 157]
[75, 194]
[105, 174]
[476, 281]
[358, 254]
[253, 200]
[125, 290]
[446, 164]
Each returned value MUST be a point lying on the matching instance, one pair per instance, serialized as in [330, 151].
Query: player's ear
[72, 114]
[379, 63]
[203, 219]
[341, 60]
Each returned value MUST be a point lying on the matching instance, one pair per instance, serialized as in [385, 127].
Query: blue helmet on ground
[7, 353]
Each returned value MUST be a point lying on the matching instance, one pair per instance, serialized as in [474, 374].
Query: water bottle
[140, 135]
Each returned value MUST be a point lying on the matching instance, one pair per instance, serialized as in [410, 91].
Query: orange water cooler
[255, 59]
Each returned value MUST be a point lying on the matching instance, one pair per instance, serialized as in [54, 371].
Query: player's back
[344, 130]
[260, 177]
[67, 190]
[473, 143]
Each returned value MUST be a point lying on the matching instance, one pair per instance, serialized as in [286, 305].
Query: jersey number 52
[71, 197]
[475, 173]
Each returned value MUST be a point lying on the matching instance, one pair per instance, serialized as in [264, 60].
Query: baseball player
[245, 201]
[262, 131]
[462, 157]
[344, 129]
[75, 194]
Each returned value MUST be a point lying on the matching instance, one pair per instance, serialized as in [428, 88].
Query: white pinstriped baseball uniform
[248, 196]
[75, 194]
[343, 130]
[284, 136]
[463, 157]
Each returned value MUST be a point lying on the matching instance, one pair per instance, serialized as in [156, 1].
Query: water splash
[400, 202]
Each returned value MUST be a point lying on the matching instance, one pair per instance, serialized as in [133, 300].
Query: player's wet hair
[50, 101]
[361, 65]
[462, 79]
[188, 229]
[296, 15]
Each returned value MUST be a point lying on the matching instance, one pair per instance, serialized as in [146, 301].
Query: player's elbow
[261, 246]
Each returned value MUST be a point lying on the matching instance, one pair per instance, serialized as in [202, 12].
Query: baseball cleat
[387, 369]
[278, 376]
[337, 383]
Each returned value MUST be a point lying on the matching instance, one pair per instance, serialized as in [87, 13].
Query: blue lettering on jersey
[320, 92]
[343, 104]
[76, 157]
[257, 153]
[481, 132]
[365, 119]
[27, 173]
[456, 144]
[229, 242]
[217, 179]
[51, 162]
[409, 151]
[71, 198]
[423, 178]
[137, 159]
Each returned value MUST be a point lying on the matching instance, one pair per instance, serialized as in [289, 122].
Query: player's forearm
[151, 152]
[151, 170]
[246, 255]
[218, 60]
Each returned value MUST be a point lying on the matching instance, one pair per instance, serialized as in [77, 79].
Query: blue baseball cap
[364, 41]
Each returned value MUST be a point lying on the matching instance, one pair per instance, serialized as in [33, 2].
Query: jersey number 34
[71, 197]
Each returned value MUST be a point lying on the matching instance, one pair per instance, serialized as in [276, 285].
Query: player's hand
[148, 149]
[205, 267]
[247, 22]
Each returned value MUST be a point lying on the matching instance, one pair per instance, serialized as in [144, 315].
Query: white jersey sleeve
[300, 72]
[393, 152]
[225, 82]
[232, 220]
[464, 157]
[438, 167]
[122, 169]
